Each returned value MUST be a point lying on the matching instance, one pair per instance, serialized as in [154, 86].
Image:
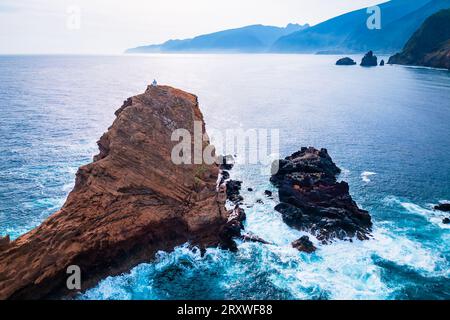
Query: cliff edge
[130, 202]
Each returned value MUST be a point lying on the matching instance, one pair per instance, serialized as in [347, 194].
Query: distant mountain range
[349, 32]
[345, 33]
[255, 38]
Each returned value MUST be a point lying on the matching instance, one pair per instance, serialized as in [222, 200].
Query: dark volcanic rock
[234, 191]
[443, 207]
[268, 193]
[304, 244]
[226, 162]
[345, 62]
[313, 200]
[232, 229]
[249, 237]
[369, 60]
[381, 63]
[446, 221]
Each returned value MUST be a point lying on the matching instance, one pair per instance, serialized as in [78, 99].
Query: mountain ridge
[251, 38]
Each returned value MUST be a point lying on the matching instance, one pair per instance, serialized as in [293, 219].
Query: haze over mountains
[255, 38]
[345, 33]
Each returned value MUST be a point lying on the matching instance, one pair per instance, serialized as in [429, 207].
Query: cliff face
[430, 45]
[129, 203]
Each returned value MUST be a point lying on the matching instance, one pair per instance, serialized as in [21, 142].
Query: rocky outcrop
[304, 245]
[369, 60]
[126, 205]
[382, 63]
[430, 45]
[312, 200]
[345, 62]
[443, 207]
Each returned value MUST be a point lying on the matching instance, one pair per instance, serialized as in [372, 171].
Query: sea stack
[312, 200]
[369, 60]
[129, 203]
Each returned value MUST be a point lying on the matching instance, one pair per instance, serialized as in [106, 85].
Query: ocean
[386, 127]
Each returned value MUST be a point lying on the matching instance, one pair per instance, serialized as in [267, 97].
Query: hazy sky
[111, 26]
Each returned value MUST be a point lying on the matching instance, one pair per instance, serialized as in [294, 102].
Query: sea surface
[388, 128]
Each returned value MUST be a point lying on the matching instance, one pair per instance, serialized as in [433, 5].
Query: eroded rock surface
[126, 205]
[312, 200]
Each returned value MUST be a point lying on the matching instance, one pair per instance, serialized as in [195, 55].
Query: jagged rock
[381, 63]
[345, 62]
[226, 162]
[443, 207]
[312, 199]
[369, 60]
[249, 237]
[259, 201]
[446, 221]
[234, 191]
[232, 229]
[250, 189]
[131, 202]
[304, 244]
[268, 193]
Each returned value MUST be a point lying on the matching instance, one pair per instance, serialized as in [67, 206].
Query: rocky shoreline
[133, 201]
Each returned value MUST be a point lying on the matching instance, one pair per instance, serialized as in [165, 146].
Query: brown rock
[129, 203]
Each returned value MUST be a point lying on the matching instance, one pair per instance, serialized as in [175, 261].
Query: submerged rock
[304, 244]
[369, 60]
[131, 202]
[345, 62]
[443, 207]
[312, 200]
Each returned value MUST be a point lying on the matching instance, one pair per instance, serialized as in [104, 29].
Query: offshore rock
[345, 62]
[312, 200]
[304, 244]
[369, 60]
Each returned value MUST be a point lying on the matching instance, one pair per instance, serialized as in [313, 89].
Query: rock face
[345, 62]
[369, 60]
[129, 203]
[312, 200]
[430, 45]
[443, 207]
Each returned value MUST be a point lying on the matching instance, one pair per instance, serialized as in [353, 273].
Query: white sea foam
[365, 176]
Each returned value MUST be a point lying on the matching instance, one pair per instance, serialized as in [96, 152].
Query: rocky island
[313, 200]
[130, 202]
[430, 45]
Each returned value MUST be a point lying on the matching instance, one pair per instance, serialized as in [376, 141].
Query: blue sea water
[387, 127]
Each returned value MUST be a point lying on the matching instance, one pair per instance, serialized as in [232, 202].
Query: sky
[111, 26]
